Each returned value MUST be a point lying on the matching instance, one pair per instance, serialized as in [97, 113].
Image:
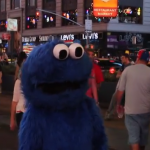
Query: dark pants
[18, 118]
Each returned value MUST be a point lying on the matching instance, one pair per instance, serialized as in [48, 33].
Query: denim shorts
[138, 128]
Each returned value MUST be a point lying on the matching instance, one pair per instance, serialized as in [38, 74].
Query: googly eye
[76, 51]
[61, 51]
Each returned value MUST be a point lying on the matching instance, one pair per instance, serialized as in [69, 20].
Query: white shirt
[135, 81]
[19, 97]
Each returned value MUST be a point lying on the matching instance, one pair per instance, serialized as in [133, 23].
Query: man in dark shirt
[125, 63]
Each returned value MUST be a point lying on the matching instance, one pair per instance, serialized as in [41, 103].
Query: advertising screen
[12, 24]
[105, 8]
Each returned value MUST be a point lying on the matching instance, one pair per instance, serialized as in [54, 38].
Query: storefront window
[69, 11]
[30, 42]
[130, 15]
[49, 20]
[3, 25]
[15, 4]
[3, 6]
[31, 22]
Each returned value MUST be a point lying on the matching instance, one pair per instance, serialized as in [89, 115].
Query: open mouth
[56, 88]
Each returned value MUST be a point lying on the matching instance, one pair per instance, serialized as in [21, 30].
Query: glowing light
[45, 16]
[139, 11]
[68, 16]
[47, 19]
[87, 11]
[128, 11]
[33, 21]
[99, 19]
[64, 14]
[28, 18]
[112, 70]
[51, 19]
[37, 13]
[28, 27]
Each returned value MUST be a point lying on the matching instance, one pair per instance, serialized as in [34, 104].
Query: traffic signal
[37, 16]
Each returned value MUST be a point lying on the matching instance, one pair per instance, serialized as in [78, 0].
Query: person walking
[0, 79]
[20, 59]
[95, 79]
[92, 91]
[98, 72]
[18, 102]
[125, 63]
[135, 81]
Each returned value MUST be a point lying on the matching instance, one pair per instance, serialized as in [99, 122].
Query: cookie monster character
[59, 115]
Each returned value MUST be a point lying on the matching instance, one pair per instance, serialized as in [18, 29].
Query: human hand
[13, 125]
[120, 111]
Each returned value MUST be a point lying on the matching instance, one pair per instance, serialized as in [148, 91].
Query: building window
[31, 3]
[15, 4]
[88, 10]
[3, 5]
[49, 20]
[31, 22]
[130, 15]
[69, 11]
[3, 25]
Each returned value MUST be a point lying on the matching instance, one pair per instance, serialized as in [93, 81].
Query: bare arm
[16, 72]
[121, 87]
[94, 88]
[13, 111]
[16, 96]
[119, 96]
[118, 74]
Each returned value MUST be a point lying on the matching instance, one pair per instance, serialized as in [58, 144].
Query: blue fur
[66, 121]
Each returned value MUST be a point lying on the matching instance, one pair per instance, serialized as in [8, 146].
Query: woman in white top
[18, 104]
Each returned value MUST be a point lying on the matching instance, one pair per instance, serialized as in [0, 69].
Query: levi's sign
[69, 37]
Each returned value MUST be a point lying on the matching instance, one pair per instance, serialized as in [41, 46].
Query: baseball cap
[143, 55]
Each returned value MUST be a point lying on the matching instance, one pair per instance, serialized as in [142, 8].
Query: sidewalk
[115, 129]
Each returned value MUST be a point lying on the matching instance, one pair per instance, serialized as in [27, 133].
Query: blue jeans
[138, 128]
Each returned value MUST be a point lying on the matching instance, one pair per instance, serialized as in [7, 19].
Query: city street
[115, 129]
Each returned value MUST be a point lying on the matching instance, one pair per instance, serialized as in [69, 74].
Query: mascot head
[56, 76]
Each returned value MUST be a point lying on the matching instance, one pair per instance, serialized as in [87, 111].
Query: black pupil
[62, 54]
[78, 52]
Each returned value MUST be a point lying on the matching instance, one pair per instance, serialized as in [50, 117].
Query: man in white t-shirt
[135, 80]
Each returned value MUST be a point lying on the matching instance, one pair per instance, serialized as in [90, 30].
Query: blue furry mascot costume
[59, 115]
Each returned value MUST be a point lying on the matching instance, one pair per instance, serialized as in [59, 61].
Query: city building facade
[108, 33]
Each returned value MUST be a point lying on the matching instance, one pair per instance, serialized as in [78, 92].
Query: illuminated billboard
[12, 25]
[105, 8]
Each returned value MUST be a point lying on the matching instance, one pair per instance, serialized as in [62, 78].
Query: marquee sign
[105, 8]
